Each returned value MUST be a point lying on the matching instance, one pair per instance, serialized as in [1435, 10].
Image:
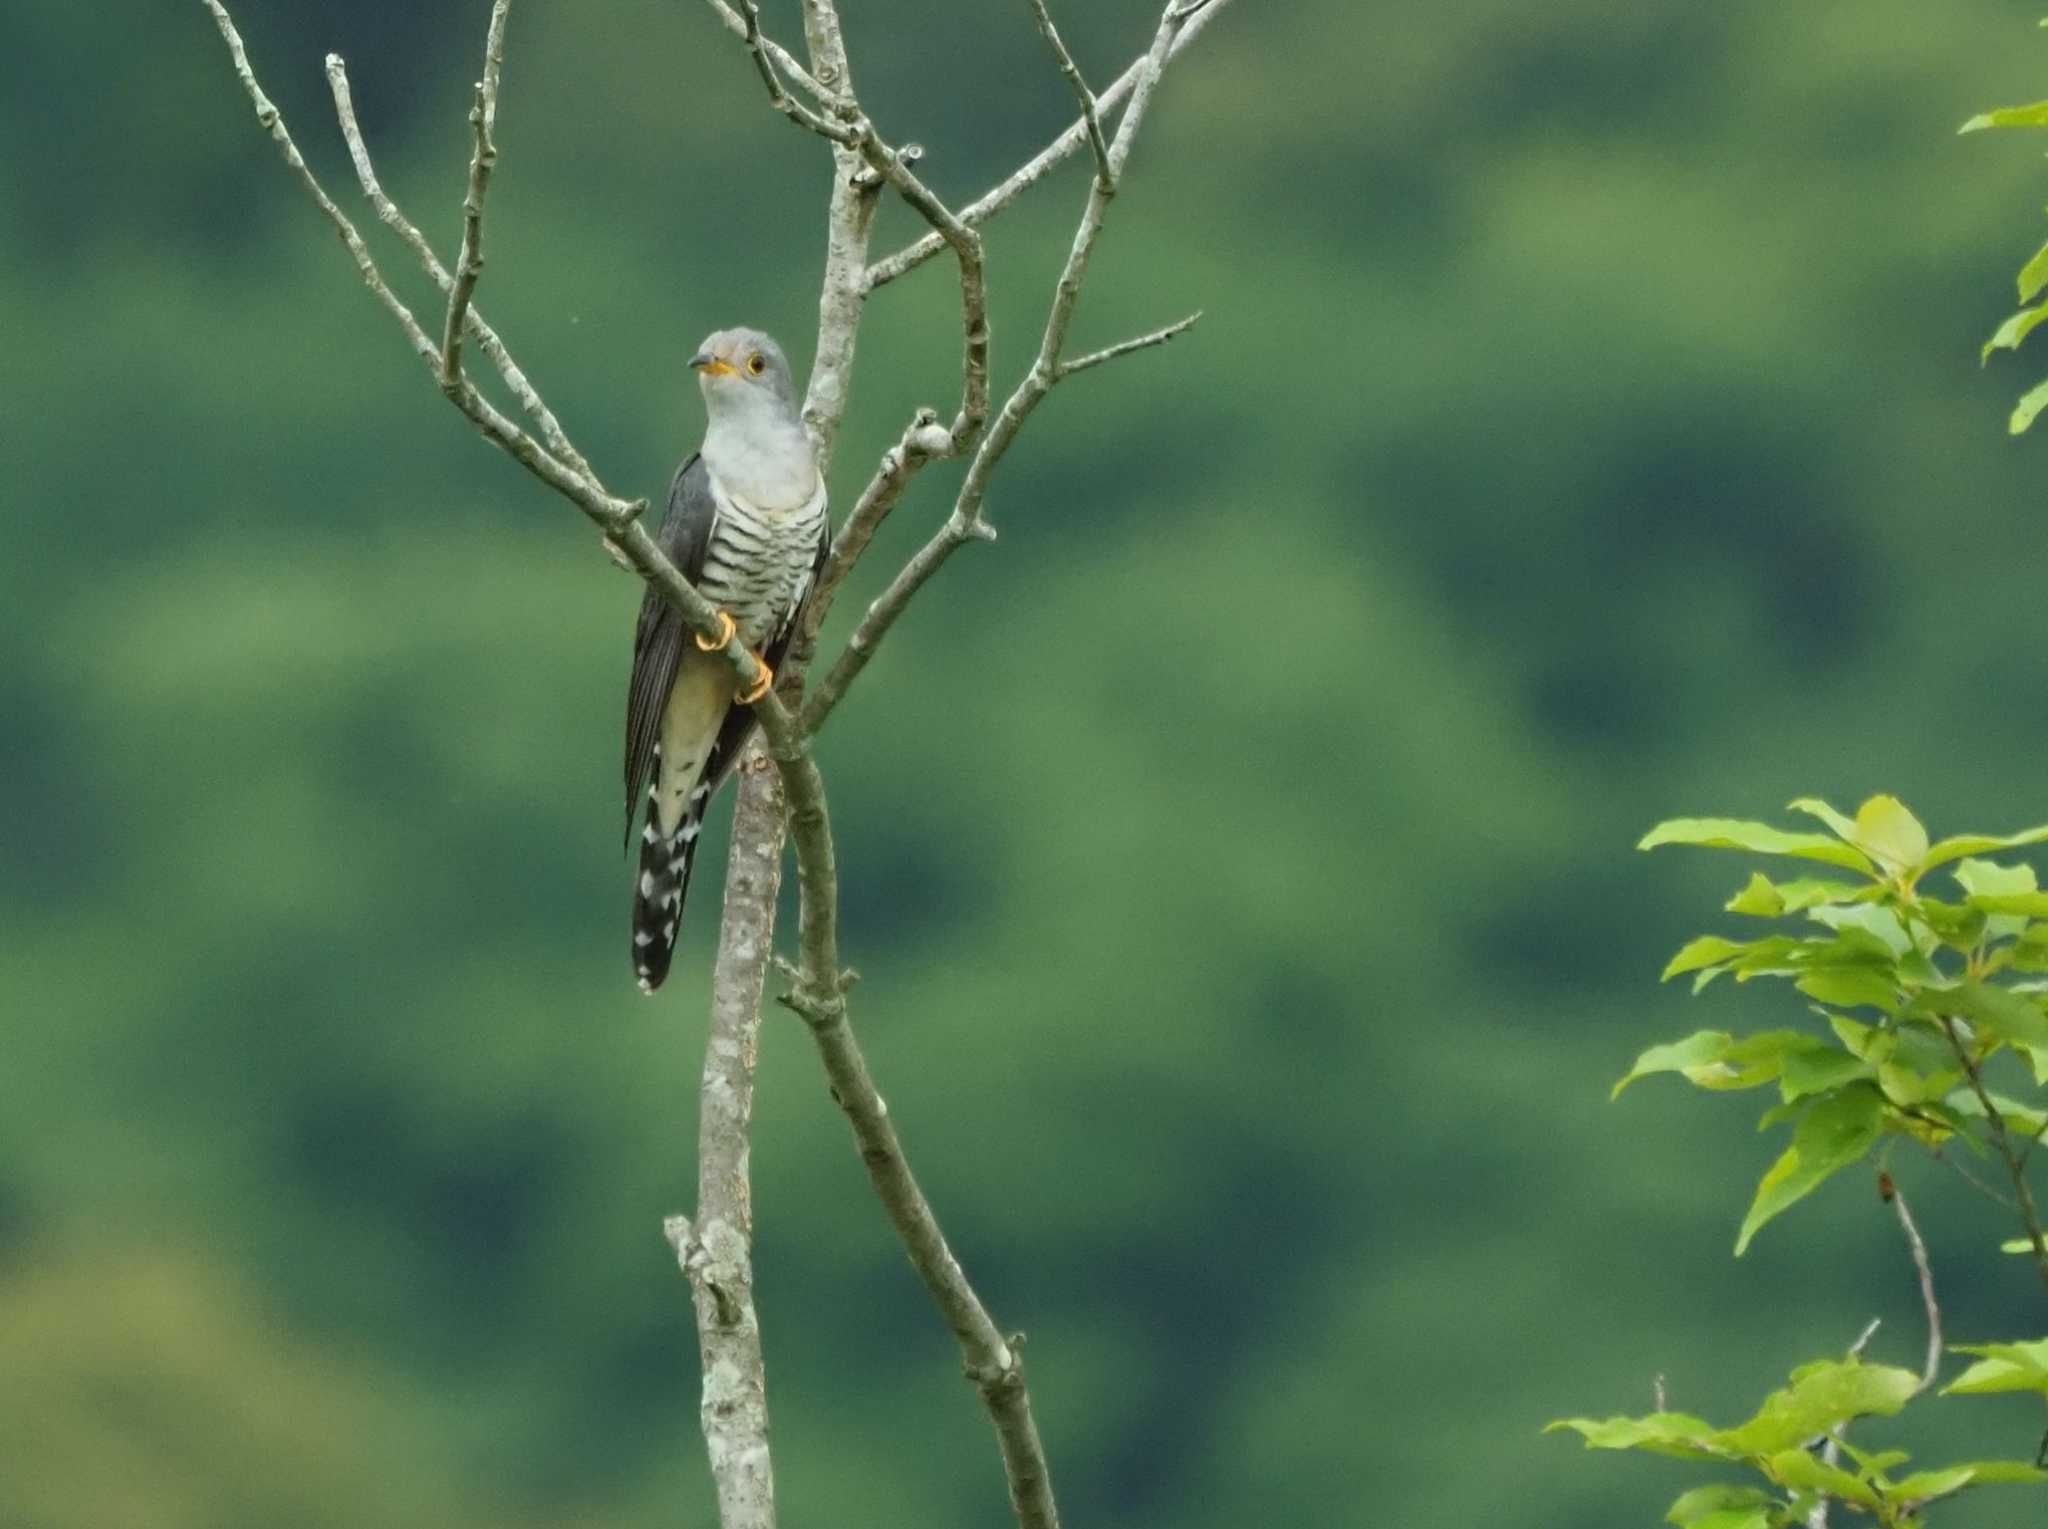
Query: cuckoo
[747, 525]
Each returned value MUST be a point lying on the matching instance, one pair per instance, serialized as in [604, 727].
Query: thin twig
[923, 440]
[1918, 1247]
[782, 100]
[1831, 1442]
[1125, 347]
[1034, 170]
[469, 264]
[784, 60]
[486, 337]
[1955, 1166]
[849, 220]
[2034, 1141]
[2001, 1139]
[893, 165]
[956, 531]
[1105, 177]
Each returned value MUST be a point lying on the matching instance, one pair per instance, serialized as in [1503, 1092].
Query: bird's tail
[663, 879]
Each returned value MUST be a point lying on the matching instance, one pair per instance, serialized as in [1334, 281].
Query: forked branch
[469, 265]
[1187, 22]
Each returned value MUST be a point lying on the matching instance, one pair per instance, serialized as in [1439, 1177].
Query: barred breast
[757, 564]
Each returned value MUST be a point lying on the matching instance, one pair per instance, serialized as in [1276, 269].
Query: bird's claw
[725, 631]
[763, 683]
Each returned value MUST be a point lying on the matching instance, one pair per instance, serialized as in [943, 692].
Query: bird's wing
[658, 638]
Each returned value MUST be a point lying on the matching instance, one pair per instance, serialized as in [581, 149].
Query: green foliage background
[1587, 414]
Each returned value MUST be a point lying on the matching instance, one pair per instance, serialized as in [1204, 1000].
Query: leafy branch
[1933, 1030]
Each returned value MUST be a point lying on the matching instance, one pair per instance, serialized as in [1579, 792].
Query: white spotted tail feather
[663, 880]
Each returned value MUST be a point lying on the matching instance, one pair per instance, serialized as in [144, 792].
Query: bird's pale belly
[697, 703]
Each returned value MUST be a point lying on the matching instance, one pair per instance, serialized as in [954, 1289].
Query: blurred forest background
[1588, 403]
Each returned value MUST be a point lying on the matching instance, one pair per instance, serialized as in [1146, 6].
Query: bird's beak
[709, 365]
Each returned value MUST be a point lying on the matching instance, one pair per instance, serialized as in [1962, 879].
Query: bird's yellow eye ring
[757, 363]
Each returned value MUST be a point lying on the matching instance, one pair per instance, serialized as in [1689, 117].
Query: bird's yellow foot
[763, 683]
[725, 631]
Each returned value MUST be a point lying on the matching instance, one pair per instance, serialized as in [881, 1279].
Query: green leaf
[1820, 1397]
[1817, 1069]
[1707, 950]
[1694, 1506]
[1957, 925]
[1873, 1462]
[1803, 892]
[1759, 899]
[1836, 1130]
[1987, 878]
[2035, 115]
[1702, 1048]
[2017, 1245]
[1736, 1518]
[1926, 1486]
[1662, 1433]
[2011, 334]
[2031, 403]
[1842, 827]
[2030, 952]
[1994, 1472]
[2034, 275]
[1733, 833]
[2006, 1015]
[1797, 1469]
[2004, 1367]
[1881, 924]
[1888, 832]
[1849, 987]
[2027, 1119]
[1910, 1088]
[1715, 1059]
[2026, 904]
[1978, 844]
[2038, 1056]
[1853, 1035]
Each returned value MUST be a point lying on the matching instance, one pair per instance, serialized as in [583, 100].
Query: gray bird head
[743, 371]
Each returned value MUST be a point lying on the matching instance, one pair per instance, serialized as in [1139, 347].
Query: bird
[746, 523]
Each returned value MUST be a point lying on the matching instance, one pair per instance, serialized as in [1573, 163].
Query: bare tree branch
[1918, 1247]
[1034, 170]
[716, 1251]
[924, 439]
[965, 523]
[469, 264]
[784, 60]
[1125, 347]
[1105, 178]
[780, 99]
[486, 337]
[893, 165]
[827, 693]
[991, 1361]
